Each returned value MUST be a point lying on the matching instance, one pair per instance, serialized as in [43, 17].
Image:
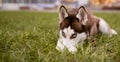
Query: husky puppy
[77, 25]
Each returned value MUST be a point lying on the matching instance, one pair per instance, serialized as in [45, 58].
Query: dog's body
[77, 25]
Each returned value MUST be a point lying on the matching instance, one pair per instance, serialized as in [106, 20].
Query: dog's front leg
[60, 46]
[93, 30]
[70, 46]
[72, 50]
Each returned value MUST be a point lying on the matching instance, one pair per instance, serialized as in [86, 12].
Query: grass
[32, 37]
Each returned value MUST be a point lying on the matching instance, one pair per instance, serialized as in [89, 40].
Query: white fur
[70, 44]
[113, 31]
[105, 28]
[60, 45]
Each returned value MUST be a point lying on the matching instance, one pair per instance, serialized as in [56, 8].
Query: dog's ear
[62, 13]
[82, 15]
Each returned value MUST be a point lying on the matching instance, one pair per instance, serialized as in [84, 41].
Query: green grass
[32, 37]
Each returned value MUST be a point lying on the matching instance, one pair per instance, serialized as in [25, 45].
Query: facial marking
[73, 36]
[73, 22]
[63, 34]
[69, 33]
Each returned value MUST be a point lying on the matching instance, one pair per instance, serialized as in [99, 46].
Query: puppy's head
[72, 26]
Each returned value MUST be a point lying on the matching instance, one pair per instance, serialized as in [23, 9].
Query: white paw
[60, 48]
[72, 50]
[113, 32]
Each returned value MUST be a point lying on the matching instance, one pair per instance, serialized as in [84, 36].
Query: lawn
[32, 37]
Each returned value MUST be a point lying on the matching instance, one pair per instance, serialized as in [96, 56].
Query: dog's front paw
[72, 50]
[60, 48]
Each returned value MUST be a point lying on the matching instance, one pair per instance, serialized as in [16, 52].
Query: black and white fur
[77, 25]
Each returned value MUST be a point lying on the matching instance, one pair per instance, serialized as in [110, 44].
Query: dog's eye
[73, 36]
[63, 34]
